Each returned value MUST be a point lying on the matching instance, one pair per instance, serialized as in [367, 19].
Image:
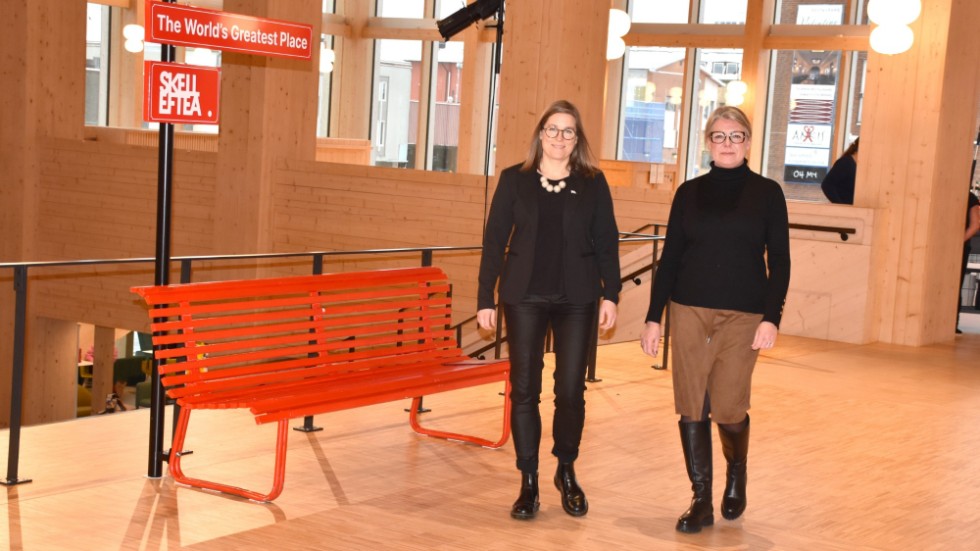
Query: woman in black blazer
[556, 213]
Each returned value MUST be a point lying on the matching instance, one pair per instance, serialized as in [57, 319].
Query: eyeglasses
[553, 131]
[735, 137]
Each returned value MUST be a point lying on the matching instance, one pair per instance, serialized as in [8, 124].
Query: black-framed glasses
[553, 131]
[735, 137]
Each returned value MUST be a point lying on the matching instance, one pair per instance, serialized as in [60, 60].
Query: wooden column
[755, 72]
[553, 49]
[42, 83]
[51, 381]
[477, 66]
[268, 111]
[916, 149]
[350, 110]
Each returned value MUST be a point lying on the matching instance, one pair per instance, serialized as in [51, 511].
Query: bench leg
[413, 419]
[279, 476]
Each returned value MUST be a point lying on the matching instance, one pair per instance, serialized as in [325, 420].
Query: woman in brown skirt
[725, 273]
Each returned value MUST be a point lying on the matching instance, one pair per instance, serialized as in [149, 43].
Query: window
[327, 60]
[445, 116]
[398, 79]
[651, 100]
[803, 127]
[710, 92]
[723, 12]
[674, 11]
[97, 65]
[417, 87]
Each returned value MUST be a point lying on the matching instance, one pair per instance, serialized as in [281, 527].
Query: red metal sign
[180, 93]
[180, 25]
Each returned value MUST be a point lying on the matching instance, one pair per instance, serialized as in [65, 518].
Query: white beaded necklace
[555, 188]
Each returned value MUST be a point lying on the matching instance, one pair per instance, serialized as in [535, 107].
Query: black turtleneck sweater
[725, 228]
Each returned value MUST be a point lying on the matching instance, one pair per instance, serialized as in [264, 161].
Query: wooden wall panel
[915, 173]
[50, 385]
[550, 57]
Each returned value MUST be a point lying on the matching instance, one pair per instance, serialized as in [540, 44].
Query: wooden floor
[853, 448]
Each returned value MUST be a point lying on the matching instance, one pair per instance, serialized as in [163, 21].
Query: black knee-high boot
[735, 445]
[527, 502]
[696, 441]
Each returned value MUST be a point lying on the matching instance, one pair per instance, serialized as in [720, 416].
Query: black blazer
[591, 247]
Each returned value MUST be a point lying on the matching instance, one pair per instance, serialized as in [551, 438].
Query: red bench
[297, 346]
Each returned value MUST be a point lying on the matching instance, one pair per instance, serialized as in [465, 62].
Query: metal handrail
[20, 327]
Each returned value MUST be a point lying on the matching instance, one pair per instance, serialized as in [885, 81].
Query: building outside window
[651, 101]
[808, 124]
[97, 65]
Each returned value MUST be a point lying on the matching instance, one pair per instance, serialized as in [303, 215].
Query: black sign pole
[162, 271]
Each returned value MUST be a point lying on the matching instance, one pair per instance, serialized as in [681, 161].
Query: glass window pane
[650, 105]
[710, 92]
[395, 109]
[401, 8]
[445, 8]
[670, 11]
[730, 12]
[821, 12]
[327, 59]
[444, 136]
[803, 108]
[97, 65]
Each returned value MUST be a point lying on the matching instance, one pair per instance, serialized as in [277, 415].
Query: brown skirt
[712, 354]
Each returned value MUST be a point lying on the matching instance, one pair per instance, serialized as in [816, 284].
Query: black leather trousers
[527, 325]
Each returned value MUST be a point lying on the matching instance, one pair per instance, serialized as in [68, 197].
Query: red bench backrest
[242, 334]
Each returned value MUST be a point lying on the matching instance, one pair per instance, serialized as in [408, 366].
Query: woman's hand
[607, 315]
[765, 336]
[487, 318]
[650, 338]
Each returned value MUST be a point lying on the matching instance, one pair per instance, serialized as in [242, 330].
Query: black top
[588, 243]
[970, 203]
[725, 228]
[546, 278]
[838, 184]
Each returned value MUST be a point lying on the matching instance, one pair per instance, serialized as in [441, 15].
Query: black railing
[21, 272]
[843, 232]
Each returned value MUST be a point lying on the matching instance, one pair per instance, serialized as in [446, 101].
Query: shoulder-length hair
[581, 161]
[853, 148]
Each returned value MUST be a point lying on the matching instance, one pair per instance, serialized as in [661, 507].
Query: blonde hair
[729, 113]
[581, 161]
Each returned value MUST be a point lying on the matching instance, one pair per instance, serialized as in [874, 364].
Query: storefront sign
[182, 94]
[199, 27]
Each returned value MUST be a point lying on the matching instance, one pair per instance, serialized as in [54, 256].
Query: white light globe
[894, 12]
[199, 56]
[734, 99]
[133, 45]
[615, 48]
[736, 87]
[891, 39]
[327, 58]
[133, 32]
[619, 23]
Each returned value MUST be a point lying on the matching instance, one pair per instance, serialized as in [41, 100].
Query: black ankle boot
[696, 442]
[735, 445]
[527, 503]
[572, 497]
